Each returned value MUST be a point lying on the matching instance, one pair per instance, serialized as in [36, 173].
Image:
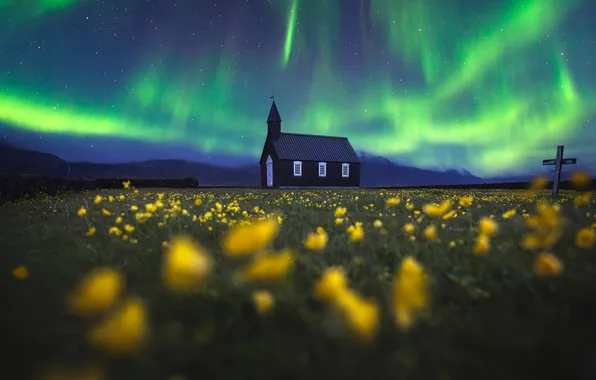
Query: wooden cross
[559, 162]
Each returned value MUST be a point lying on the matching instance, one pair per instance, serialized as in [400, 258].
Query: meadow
[299, 284]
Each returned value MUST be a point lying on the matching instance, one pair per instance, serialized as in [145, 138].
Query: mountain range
[376, 171]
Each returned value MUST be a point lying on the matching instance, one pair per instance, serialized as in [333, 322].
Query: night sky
[490, 86]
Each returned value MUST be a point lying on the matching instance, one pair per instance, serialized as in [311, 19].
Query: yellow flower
[186, 265]
[340, 211]
[488, 227]
[198, 201]
[267, 267]
[377, 224]
[509, 214]
[106, 212]
[263, 301]
[409, 228]
[316, 241]
[128, 228]
[91, 231]
[394, 201]
[126, 184]
[585, 238]
[539, 183]
[362, 316]
[115, 231]
[339, 221]
[124, 331]
[248, 239]
[435, 211]
[97, 292]
[82, 212]
[118, 220]
[409, 292]
[449, 215]
[430, 232]
[98, 199]
[547, 265]
[356, 233]
[482, 244]
[21, 272]
[134, 208]
[466, 201]
[580, 179]
[451, 244]
[331, 285]
[582, 200]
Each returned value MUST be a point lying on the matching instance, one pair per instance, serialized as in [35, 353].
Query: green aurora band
[474, 106]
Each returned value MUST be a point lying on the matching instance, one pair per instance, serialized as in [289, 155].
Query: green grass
[491, 317]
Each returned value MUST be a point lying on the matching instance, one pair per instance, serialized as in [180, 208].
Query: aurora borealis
[492, 86]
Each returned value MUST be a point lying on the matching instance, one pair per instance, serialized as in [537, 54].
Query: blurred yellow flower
[547, 265]
[488, 227]
[394, 201]
[316, 241]
[82, 211]
[585, 238]
[105, 212]
[98, 199]
[21, 272]
[466, 201]
[362, 316]
[435, 211]
[409, 292]
[91, 231]
[430, 232]
[186, 265]
[267, 267]
[198, 201]
[509, 214]
[582, 200]
[263, 301]
[356, 233]
[331, 284]
[128, 228]
[539, 183]
[377, 224]
[122, 332]
[409, 228]
[580, 179]
[126, 184]
[340, 211]
[97, 292]
[481, 245]
[248, 239]
[134, 208]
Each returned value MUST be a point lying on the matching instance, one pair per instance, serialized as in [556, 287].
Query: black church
[292, 160]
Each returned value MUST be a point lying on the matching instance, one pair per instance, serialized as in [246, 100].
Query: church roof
[273, 114]
[294, 146]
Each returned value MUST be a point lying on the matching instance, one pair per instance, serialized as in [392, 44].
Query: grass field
[492, 307]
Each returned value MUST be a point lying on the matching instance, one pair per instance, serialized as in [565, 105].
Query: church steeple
[273, 121]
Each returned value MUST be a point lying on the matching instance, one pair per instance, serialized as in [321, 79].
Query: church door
[269, 172]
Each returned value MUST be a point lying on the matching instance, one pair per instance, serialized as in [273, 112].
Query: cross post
[558, 163]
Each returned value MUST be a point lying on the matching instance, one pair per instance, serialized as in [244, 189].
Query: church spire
[274, 120]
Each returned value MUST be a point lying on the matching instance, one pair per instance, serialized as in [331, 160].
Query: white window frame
[322, 165]
[346, 167]
[297, 164]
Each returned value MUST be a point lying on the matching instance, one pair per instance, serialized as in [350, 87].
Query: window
[322, 169]
[345, 170]
[297, 168]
